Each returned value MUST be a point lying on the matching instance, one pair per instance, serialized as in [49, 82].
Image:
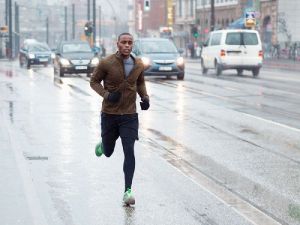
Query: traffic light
[88, 29]
[146, 5]
[195, 32]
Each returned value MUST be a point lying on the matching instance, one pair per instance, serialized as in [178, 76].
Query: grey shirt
[128, 65]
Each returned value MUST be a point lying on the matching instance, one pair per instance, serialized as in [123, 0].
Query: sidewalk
[12, 192]
[284, 64]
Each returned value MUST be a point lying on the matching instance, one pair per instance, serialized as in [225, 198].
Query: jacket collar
[118, 55]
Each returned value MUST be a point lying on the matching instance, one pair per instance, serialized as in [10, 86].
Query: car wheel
[204, 69]
[218, 68]
[239, 72]
[255, 72]
[88, 74]
[180, 77]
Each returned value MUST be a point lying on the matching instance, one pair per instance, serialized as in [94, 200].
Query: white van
[232, 49]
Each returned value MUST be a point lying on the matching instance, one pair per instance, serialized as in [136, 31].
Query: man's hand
[145, 103]
[114, 97]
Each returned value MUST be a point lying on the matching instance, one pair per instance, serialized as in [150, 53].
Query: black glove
[145, 104]
[114, 97]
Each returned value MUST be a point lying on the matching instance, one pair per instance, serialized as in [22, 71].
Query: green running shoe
[128, 198]
[99, 149]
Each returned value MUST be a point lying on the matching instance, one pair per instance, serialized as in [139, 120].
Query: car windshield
[38, 48]
[165, 46]
[76, 47]
[241, 38]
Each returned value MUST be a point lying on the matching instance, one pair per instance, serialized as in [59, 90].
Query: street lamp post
[212, 15]
[114, 17]
[47, 30]
[66, 23]
[10, 44]
[100, 22]
[73, 21]
[17, 29]
[88, 10]
[94, 22]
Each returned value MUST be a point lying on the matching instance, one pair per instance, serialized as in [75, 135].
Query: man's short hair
[125, 33]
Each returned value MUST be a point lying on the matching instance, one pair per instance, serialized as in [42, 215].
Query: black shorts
[114, 126]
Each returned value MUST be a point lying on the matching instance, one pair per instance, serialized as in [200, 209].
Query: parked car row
[35, 53]
[68, 58]
[160, 57]
[74, 57]
[225, 49]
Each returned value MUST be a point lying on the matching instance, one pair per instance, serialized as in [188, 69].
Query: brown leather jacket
[111, 71]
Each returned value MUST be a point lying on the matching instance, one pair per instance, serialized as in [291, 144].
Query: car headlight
[64, 62]
[180, 61]
[95, 61]
[31, 56]
[146, 61]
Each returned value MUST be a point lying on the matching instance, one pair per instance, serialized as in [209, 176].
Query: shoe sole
[129, 201]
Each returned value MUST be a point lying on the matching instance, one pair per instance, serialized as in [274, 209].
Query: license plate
[165, 68]
[234, 52]
[80, 67]
[43, 59]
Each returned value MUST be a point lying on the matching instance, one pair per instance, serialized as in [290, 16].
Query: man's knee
[107, 154]
[108, 149]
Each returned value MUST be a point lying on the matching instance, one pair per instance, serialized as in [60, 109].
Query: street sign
[250, 20]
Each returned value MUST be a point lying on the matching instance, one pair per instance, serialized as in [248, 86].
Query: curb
[295, 66]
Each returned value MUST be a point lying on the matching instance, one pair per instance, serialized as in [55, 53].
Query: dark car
[74, 57]
[160, 57]
[34, 53]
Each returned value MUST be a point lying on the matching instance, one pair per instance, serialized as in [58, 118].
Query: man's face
[125, 45]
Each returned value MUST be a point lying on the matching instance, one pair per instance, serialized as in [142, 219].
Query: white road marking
[242, 207]
[272, 122]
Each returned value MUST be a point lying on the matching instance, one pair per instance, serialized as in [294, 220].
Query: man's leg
[128, 128]
[129, 160]
[109, 133]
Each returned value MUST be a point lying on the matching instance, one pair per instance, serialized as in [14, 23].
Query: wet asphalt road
[212, 150]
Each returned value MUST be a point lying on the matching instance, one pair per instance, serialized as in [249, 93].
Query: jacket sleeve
[96, 79]
[141, 87]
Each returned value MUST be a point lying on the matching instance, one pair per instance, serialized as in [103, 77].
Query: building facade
[196, 14]
[150, 16]
[288, 26]
[185, 20]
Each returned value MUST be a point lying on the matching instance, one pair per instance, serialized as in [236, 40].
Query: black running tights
[129, 160]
